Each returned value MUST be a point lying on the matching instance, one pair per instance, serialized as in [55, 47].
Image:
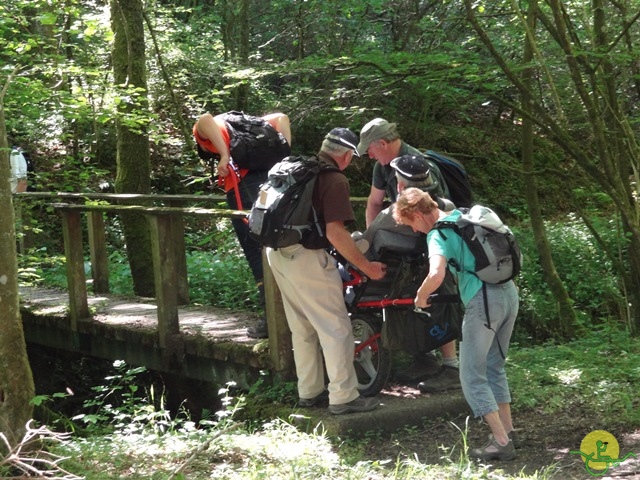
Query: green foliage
[119, 404]
[223, 279]
[38, 267]
[592, 376]
[268, 391]
[587, 273]
[120, 281]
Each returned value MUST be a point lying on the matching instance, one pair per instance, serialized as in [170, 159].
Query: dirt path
[546, 441]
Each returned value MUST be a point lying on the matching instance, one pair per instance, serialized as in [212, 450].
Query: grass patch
[592, 376]
[596, 373]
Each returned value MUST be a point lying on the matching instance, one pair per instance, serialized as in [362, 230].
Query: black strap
[488, 324]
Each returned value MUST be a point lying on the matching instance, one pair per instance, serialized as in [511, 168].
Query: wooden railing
[168, 253]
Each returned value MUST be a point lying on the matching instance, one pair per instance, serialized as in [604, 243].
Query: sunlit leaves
[47, 18]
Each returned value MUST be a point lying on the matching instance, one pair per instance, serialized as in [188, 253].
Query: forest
[538, 99]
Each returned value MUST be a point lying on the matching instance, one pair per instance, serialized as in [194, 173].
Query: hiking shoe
[447, 379]
[259, 330]
[360, 404]
[515, 439]
[422, 368]
[312, 402]
[492, 450]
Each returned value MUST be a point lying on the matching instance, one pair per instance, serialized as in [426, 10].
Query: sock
[450, 362]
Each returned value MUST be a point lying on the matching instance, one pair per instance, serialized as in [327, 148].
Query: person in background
[19, 171]
[483, 351]
[213, 136]
[431, 377]
[381, 141]
[311, 286]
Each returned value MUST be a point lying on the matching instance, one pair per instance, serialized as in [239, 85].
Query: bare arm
[437, 270]
[280, 122]
[341, 239]
[374, 204]
[209, 129]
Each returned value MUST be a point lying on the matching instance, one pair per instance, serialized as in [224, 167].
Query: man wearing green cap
[381, 141]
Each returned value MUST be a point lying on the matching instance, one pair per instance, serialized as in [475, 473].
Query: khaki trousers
[317, 316]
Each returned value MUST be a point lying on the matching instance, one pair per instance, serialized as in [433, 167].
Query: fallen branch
[29, 459]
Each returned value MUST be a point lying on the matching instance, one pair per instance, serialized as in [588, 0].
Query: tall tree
[16, 381]
[567, 315]
[133, 158]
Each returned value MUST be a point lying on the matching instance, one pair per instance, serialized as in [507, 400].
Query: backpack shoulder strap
[441, 226]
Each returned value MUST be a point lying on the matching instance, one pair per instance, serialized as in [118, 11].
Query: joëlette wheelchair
[372, 303]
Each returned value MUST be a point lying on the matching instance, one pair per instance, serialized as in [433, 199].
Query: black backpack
[255, 144]
[419, 333]
[455, 176]
[282, 213]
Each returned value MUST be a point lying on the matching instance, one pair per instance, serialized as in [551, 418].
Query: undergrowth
[127, 433]
[595, 373]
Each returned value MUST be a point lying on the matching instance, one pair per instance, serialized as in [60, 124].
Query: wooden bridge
[165, 333]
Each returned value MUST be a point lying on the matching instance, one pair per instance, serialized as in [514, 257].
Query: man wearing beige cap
[381, 141]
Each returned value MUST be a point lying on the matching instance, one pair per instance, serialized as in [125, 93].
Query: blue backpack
[455, 176]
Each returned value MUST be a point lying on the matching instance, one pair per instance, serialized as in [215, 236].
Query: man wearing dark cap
[431, 377]
[409, 171]
[311, 287]
[381, 141]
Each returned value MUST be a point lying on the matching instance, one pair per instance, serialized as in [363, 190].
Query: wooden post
[180, 252]
[166, 279]
[180, 255]
[280, 345]
[98, 251]
[76, 280]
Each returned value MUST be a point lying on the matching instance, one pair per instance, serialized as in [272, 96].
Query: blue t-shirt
[454, 248]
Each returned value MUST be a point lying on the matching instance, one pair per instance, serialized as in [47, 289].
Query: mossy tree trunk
[16, 380]
[133, 158]
[567, 317]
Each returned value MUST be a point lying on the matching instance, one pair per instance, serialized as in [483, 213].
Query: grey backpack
[496, 251]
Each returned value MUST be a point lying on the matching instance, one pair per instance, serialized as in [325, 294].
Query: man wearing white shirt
[18, 171]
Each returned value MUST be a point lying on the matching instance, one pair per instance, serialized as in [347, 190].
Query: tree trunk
[567, 317]
[133, 159]
[242, 92]
[16, 380]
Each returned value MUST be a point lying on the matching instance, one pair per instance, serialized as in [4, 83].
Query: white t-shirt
[18, 168]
